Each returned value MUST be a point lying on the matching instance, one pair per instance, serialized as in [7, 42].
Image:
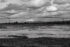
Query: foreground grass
[35, 42]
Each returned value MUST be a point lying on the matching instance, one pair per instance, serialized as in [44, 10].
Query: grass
[35, 42]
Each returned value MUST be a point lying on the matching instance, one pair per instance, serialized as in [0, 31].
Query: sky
[4, 4]
[14, 7]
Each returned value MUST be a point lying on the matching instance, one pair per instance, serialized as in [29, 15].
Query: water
[33, 30]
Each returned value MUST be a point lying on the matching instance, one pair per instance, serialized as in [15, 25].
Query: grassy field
[35, 42]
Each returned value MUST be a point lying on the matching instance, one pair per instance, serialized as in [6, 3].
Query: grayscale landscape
[24, 25]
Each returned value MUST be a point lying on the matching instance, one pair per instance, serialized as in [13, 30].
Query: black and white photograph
[34, 23]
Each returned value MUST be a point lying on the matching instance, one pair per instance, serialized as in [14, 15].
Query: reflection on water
[36, 29]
